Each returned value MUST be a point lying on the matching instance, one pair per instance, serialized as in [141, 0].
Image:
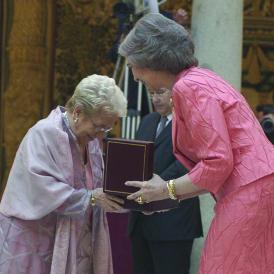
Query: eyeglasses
[160, 93]
[100, 129]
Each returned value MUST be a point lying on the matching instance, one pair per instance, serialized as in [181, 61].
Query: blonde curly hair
[98, 93]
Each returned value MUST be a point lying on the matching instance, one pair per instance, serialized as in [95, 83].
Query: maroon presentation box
[130, 160]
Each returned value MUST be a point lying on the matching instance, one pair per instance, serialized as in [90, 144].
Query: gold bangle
[171, 190]
[92, 200]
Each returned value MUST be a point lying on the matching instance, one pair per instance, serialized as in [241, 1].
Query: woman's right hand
[108, 202]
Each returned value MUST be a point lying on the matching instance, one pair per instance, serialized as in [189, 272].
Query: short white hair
[98, 93]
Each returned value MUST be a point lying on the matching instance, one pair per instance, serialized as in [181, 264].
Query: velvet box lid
[130, 160]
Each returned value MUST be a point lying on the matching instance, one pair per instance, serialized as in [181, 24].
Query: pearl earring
[76, 120]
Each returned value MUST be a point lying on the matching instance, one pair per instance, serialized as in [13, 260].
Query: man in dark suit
[162, 242]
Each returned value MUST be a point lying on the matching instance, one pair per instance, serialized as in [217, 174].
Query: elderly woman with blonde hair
[52, 214]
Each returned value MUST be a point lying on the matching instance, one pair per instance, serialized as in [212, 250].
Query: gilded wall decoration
[85, 34]
[86, 31]
[2, 58]
[25, 91]
[258, 52]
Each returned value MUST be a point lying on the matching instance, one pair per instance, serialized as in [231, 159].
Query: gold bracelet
[171, 190]
[92, 200]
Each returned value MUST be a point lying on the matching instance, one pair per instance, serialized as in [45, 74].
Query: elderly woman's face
[148, 77]
[88, 128]
[153, 80]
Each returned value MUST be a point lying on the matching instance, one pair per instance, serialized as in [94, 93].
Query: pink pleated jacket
[216, 135]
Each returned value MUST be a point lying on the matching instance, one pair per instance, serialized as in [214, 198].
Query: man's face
[161, 100]
[160, 95]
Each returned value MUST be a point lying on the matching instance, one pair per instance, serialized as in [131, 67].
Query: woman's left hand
[153, 190]
[108, 202]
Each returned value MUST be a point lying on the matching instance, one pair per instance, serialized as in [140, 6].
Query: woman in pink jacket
[215, 135]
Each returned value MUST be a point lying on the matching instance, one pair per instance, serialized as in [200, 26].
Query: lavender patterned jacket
[46, 222]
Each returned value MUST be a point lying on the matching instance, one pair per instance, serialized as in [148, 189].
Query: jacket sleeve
[41, 178]
[59, 157]
[173, 171]
[207, 130]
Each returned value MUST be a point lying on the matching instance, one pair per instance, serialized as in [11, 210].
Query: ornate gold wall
[26, 51]
[85, 31]
[258, 52]
[2, 27]
[48, 46]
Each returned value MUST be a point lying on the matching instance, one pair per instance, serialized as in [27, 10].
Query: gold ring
[140, 200]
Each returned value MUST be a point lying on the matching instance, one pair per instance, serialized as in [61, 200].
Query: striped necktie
[162, 125]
